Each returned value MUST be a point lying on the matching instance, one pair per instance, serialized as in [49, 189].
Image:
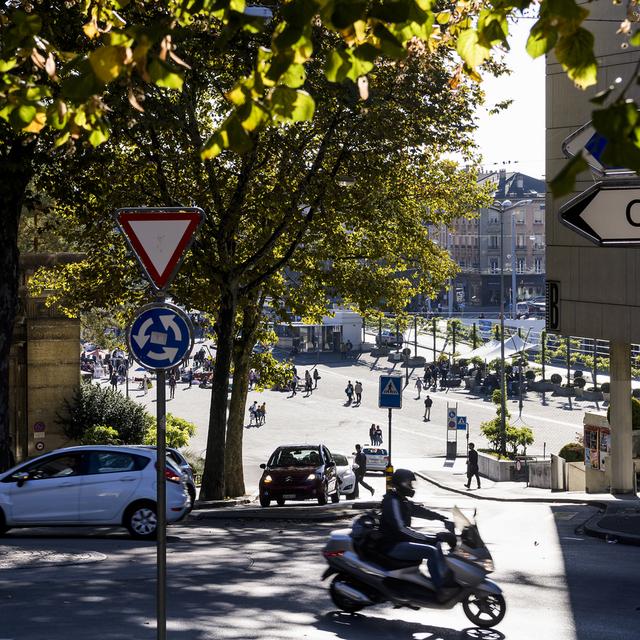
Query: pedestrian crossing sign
[390, 396]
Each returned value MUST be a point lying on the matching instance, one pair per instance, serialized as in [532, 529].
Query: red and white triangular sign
[160, 237]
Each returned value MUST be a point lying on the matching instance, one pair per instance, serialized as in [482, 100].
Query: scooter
[364, 577]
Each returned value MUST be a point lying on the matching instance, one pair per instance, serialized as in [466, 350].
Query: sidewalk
[618, 519]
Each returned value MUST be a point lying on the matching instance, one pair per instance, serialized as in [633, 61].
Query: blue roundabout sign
[160, 336]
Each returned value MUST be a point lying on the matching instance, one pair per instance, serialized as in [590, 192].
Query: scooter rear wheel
[485, 610]
[341, 601]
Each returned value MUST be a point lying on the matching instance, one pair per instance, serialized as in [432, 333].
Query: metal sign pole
[161, 548]
[389, 438]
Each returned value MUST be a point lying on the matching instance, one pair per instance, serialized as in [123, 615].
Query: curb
[592, 528]
[219, 504]
[468, 494]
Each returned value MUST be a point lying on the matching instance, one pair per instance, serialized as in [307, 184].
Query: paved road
[246, 580]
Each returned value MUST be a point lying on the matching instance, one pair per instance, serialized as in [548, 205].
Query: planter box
[494, 469]
[594, 396]
[564, 392]
[541, 385]
[540, 474]
[395, 357]
[380, 352]
[415, 362]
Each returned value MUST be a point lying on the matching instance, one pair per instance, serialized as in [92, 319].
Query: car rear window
[295, 457]
[340, 460]
[375, 452]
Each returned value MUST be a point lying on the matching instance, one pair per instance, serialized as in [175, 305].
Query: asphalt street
[240, 579]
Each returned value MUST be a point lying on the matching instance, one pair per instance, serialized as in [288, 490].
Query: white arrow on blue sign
[461, 423]
[160, 336]
[390, 396]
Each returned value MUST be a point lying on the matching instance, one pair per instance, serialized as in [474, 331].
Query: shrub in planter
[556, 378]
[578, 374]
[579, 382]
[100, 434]
[463, 362]
[530, 375]
[605, 387]
[572, 452]
[635, 413]
[477, 361]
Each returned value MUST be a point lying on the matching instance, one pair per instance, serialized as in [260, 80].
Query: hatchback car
[91, 486]
[345, 470]
[389, 339]
[377, 458]
[299, 472]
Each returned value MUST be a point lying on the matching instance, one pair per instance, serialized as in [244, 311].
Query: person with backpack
[358, 391]
[316, 377]
[349, 391]
[361, 461]
[428, 403]
[253, 413]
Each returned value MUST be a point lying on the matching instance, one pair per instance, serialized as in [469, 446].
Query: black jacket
[395, 522]
[361, 461]
[472, 460]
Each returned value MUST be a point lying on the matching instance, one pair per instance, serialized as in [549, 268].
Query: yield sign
[607, 213]
[159, 237]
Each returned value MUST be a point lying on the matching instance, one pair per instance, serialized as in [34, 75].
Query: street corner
[616, 524]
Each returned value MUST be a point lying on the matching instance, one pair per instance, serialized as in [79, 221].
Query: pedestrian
[252, 379]
[349, 391]
[253, 413]
[472, 466]
[372, 434]
[294, 385]
[316, 377]
[172, 385]
[419, 386]
[145, 384]
[427, 377]
[428, 403]
[358, 391]
[190, 377]
[378, 435]
[114, 379]
[308, 382]
[262, 413]
[343, 351]
[361, 461]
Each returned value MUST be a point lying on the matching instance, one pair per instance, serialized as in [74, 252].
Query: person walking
[308, 383]
[428, 403]
[316, 377]
[190, 377]
[361, 461]
[349, 391]
[372, 434]
[294, 385]
[253, 413]
[419, 386]
[114, 380]
[378, 435]
[262, 414]
[145, 384]
[172, 385]
[472, 466]
[358, 391]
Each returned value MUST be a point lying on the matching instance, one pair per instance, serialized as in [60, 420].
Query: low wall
[575, 476]
[496, 470]
[540, 474]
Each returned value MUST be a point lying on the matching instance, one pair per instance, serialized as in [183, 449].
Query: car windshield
[295, 457]
[375, 452]
[340, 460]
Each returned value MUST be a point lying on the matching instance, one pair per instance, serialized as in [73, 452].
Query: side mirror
[263, 466]
[21, 478]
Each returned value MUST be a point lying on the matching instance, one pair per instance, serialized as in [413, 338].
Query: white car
[377, 458]
[91, 486]
[346, 477]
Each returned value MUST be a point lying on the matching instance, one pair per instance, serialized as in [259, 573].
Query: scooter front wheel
[339, 599]
[485, 610]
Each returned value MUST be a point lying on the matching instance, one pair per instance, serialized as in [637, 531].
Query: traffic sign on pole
[607, 213]
[390, 396]
[160, 336]
[159, 237]
[452, 418]
[461, 423]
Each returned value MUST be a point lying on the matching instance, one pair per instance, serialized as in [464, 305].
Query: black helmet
[401, 480]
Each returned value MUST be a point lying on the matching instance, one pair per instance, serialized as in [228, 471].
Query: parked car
[345, 470]
[181, 462]
[389, 339]
[377, 458]
[91, 486]
[299, 472]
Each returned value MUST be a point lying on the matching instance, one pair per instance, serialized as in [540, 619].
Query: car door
[111, 480]
[329, 470]
[51, 493]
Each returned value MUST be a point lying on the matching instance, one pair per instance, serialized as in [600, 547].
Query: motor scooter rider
[399, 541]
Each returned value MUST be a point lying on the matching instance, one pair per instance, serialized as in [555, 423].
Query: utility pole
[513, 267]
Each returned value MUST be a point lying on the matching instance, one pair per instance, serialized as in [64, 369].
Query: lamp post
[502, 208]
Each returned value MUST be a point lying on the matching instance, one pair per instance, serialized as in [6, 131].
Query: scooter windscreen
[470, 539]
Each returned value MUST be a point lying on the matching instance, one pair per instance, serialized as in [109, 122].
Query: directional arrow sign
[608, 213]
[160, 336]
[159, 237]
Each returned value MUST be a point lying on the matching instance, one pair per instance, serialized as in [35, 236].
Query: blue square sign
[390, 396]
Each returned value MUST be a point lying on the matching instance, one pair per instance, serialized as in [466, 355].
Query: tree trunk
[234, 474]
[16, 169]
[213, 477]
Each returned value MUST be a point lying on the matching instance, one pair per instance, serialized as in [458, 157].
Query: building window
[493, 217]
[520, 241]
[493, 242]
[538, 217]
[519, 217]
[494, 266]
[538, 265]
[521, 265]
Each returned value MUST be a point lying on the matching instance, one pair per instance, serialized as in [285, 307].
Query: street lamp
[502, 208]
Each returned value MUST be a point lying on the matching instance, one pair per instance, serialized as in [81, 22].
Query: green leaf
[443, 17]
[163, 75]
[575, 53]
[346, 12]
[473, 53]
[107, 63]
[7, 65]
[617, 121]
[634, 40]
[337, 66]
[565, 181]
[542, 39]
[230, 135]
[294, 76]
[98, 135]
[292, 105]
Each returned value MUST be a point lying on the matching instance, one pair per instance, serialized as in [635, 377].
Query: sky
[514, 138]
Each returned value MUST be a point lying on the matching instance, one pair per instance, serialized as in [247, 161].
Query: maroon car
[299, 472]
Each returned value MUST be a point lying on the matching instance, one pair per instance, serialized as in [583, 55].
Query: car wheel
[141, 519]
[323, 497]
[264, 501]
[280, 501]
[335, 498]
[3, 525]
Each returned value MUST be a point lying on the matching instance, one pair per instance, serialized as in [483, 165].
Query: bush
[100, 434]
[556, 378]
[530, 375]
[579, 382]
[477, 361]
[578, 374]
[635, 413]
[572, 452]
[179, 432]
[95, 406]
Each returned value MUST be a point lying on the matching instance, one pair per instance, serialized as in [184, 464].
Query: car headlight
[311, 476]
[267, 479]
